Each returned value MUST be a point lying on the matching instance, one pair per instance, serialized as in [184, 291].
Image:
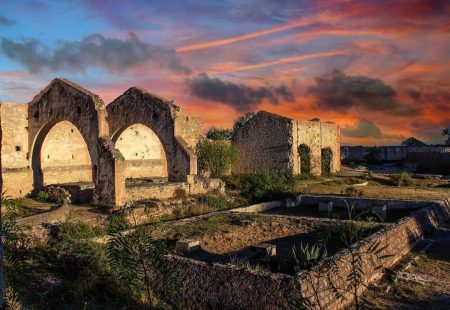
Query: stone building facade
[270, 142]
[67, 134]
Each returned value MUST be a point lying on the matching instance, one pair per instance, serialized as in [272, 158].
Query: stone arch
[138, 106]
[67, 161]
[304, 151]
[327, 161]
[145, 156]
[63, 100]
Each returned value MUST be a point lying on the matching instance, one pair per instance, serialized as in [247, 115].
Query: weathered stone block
[187, 245]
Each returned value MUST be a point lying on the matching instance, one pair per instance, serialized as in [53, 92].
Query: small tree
[411, 141]
[215, 157]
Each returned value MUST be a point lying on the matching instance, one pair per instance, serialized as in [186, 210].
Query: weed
[42, 196]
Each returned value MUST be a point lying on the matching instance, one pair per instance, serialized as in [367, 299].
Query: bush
[264, 186]
[402, 179]
[42, 196]
[116, 222]
[214, 203]
[219, 134]
[215, 158]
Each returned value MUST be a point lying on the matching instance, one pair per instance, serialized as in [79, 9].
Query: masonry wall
[16, 172]
[190, 128]
[143, 152]
[269, 142]
[430, 161]
[265, 143]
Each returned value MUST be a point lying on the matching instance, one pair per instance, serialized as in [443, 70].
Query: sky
[379, 69]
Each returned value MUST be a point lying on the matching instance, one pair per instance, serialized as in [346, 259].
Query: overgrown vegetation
[219, 134]
[116, 222]
[215, 157]
[42, 196]
[402, 179]
[264, 186]
[327, 159]
[305, 158]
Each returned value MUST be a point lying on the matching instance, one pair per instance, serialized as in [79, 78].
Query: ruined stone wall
[331, 137]
[190, 128]
[309, 133]
[138, 106]
[386, 153]
[64, 156]
[143, 152]
[430, 161]
[172, 189]
[269, 142]
[317, 136]
[16, 172]
[265, 143]
[398, 240]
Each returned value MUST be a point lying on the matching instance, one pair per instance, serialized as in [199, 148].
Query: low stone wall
[386, 153]
[361, 203]
[399, 238]
[172, 189]
[226, 287]
[56, 215]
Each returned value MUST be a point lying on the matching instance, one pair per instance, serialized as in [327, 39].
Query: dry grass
[422, 189]
[427, 285]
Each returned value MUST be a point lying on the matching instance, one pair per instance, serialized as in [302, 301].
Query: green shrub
[219, 134]
[116, 222]
[215, 158]
[327, 158]
[402, 179]
[42, 196]
[214, 203]
[263, 186]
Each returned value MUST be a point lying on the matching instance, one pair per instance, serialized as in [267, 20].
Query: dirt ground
[422, 281]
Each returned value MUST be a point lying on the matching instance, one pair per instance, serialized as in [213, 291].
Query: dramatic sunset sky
[380, 69]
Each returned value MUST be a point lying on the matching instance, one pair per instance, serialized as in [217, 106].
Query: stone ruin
[140, 146]
[270, 142]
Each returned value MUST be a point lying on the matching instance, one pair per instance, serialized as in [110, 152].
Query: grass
[379, 187]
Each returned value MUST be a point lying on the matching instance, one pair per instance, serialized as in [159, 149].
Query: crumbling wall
[143, 152]
[16, 172]
[138, 106]
[269, 142]
[264, 143]
[63, 100]
[430, 161]
[190, 128]
[331, 138]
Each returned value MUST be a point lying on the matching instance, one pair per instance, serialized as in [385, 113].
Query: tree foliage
[215, 157]
[219, 134]
[411, 141]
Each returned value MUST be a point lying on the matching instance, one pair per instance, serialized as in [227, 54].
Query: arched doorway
[327, 159]
[304, 152]
[145, 157]
[60, 156]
